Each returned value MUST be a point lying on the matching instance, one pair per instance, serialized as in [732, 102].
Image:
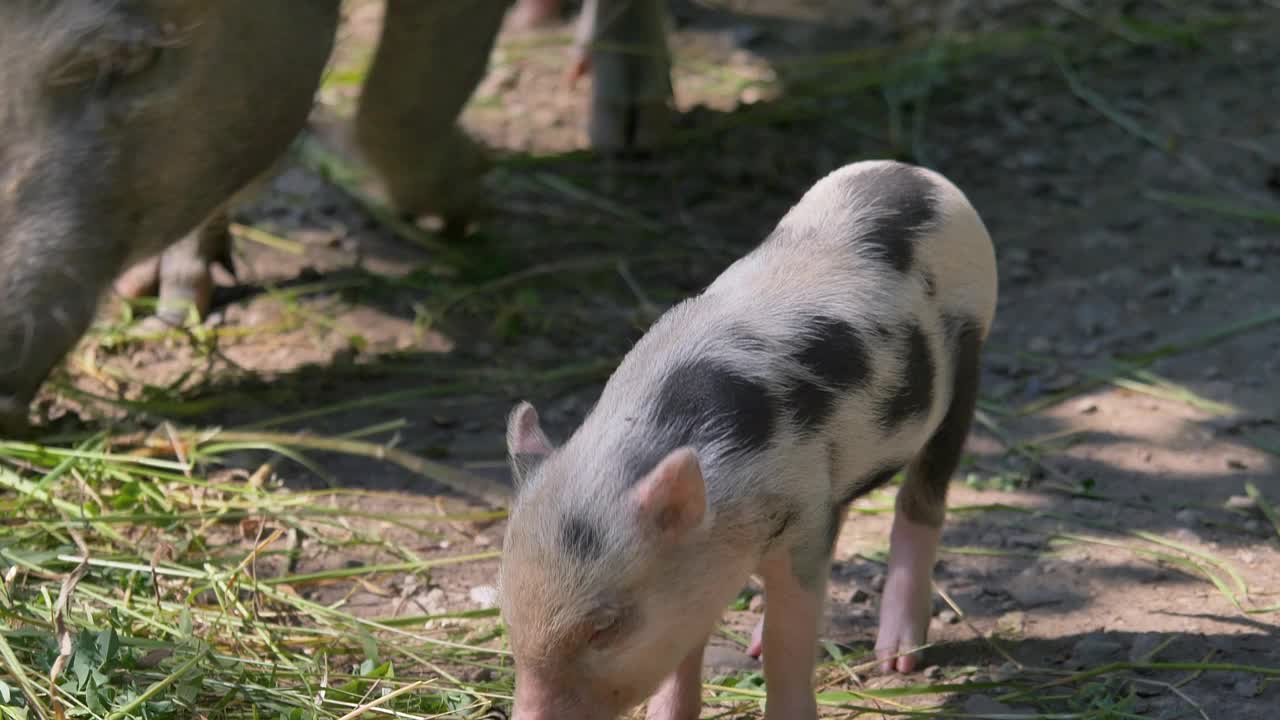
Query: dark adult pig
[126, 128]
[731, 440]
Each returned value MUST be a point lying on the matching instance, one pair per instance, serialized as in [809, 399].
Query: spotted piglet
[730, 441]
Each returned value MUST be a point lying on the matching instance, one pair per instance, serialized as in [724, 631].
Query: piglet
[731, 440]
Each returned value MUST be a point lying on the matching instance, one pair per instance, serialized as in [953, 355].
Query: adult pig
[126, 128]
[731, 440]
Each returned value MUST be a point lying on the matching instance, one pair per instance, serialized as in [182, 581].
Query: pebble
[1005, 671]
[1241, 502]
[1033, 592]
[877, 582]
[756, 603]
[1143, 646]
[1093, 650]
[1040, 344]
[933, 672]
[948, 617]
[486, 596]
[434, 602]
[1188, 517]
[859, 596]
[1246, 687]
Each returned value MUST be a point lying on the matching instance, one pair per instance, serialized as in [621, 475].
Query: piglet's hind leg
[917, 520]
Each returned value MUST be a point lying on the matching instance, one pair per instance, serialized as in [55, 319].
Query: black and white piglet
[730, 441]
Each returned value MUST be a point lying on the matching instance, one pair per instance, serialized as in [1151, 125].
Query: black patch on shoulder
[836, 357]
[915, 395]
[908, 196]
[581, 539]
[702, 402]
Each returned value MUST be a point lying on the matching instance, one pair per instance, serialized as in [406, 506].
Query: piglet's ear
[527, 445]
[672, 498]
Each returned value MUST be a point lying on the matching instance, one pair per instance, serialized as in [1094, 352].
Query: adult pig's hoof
[13, 418]
[617, 127]
[449, 185]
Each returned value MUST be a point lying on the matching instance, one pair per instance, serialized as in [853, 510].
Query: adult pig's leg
[431, 56]
[623, 43]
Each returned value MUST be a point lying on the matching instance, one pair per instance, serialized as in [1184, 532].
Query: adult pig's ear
[672, 497]
[527, 445]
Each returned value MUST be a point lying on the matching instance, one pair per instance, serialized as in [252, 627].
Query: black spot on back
[908, 197]
[836, 357]
[915, 396]
[581, 539]
[702, 402]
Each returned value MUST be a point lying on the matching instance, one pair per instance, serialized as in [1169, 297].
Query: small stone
[933, 672]
[1188, 517]
[434, 602]
[442, 421]
[1031, 591]
[756, 603]
[1011, 625]
[1241, 502]
[1093, 650]
[486, 596]
[1143, 646]
[859, 596]
[1247, 686]
[1086, 407]
[877, 583]
[1040, 344]
[1005, 671]
[948, 617]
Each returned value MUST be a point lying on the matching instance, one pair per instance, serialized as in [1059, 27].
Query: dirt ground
[1078, 149]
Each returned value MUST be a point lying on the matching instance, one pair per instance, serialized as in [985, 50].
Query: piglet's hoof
[141, 280]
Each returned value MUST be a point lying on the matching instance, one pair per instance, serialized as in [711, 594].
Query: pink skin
[790, 636]
[908, 589]
[904, 608]
[528, 14]
[680, 695]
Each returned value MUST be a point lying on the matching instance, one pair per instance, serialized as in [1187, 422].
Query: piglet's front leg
[790, 638]
[680, 695]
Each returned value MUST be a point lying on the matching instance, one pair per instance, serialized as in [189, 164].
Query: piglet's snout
[541, 698]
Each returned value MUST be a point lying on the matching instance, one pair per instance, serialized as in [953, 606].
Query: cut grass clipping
[136, 587]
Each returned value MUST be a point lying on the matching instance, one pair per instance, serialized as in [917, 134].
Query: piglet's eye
[606, 626]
